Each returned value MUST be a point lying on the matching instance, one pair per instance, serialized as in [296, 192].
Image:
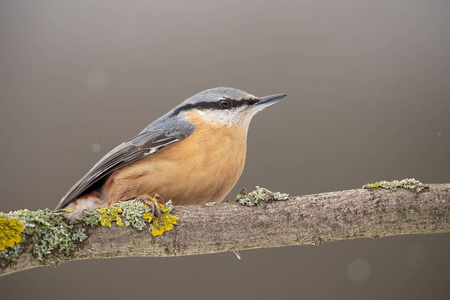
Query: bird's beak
[267, 101]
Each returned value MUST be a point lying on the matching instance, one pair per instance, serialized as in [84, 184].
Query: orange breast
[202, 168]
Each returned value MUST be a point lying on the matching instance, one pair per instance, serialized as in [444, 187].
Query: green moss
[410, 184]
[258, 195]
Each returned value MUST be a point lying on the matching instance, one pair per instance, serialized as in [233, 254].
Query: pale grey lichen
[210, 204]
[169, 205]
[133, 212]
[138, 215]
[79, 235]
[408, 183]
[91, 218]
[47, 232]
[10, 255]
[260, 194]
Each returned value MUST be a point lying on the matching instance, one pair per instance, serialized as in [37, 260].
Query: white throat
[240, 115]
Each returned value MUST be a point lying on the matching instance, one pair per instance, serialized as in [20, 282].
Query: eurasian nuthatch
[194, 154]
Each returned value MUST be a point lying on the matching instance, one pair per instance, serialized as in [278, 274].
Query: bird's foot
[153, 203]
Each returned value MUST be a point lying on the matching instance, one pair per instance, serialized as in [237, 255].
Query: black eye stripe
[214, 105]
[241, 102]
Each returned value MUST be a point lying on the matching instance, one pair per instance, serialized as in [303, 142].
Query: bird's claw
[153, 203]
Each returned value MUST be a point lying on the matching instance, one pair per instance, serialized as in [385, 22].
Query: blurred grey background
[368, 86]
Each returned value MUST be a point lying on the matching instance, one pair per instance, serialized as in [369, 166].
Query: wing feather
[146, 143]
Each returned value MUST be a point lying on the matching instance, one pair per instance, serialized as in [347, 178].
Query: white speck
[236, 252]
[359, 270]
[439, 133]
[416, 255]
[96, 147]
[97, 80]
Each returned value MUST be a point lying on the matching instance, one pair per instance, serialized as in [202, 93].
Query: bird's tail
[88, 201]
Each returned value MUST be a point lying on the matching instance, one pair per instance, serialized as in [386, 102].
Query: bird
[192, 155]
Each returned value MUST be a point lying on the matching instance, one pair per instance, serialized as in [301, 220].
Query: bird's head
[226, 106]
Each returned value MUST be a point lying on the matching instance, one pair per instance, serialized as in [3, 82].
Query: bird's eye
[225, 104]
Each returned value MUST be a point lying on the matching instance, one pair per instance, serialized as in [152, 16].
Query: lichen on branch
[260, 195]
[408, 183]
[371, 212]
[52, 237]
[49, 235]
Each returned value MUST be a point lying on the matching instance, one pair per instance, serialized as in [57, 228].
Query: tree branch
[301, 220]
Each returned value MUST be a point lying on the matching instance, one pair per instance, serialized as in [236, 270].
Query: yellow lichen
[156, 229]
[167, 221]
[372, 185]
[148, 217]
[109, 215]
[129, 210]
[10, 230]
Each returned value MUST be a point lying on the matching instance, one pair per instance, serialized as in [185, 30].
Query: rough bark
[311, 219]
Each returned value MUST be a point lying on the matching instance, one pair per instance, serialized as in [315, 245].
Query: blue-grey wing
[146, 143]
